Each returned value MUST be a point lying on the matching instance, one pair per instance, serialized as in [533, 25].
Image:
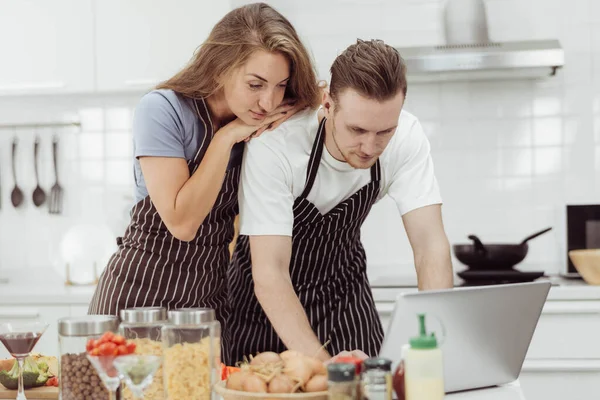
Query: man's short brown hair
[372, 68]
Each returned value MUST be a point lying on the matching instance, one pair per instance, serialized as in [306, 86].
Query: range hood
[469, 55]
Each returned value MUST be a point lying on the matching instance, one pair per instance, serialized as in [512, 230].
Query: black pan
[493, 257]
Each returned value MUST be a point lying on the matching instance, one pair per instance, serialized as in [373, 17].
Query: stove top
[479, 277]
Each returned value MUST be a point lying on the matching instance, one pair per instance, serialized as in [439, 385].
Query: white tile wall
[94, 169]
[509, 155]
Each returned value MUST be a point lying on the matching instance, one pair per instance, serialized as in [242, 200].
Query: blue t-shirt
[166, 124]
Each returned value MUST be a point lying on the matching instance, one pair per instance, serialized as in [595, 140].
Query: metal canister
[77, 377]
[192, 342]
[143, 326]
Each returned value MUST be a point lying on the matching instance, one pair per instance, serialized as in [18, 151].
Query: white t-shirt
[275, 165]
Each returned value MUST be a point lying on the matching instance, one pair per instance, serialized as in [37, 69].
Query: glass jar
[76, 376]
[341, 381]
[377, 379]
[192, 353]
[142, 326]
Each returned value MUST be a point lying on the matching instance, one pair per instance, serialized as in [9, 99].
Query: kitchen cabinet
[142, 42]
[560, 379]
[47, 46]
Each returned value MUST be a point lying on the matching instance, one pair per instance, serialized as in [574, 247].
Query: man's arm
[431, 249]
[273, 288]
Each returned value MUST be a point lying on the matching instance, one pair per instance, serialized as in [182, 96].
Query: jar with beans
[142, 326]
[78, 380]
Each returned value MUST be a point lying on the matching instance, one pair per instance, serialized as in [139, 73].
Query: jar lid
[341, 372]
[377, 363]
[88, 325]
[143, 314]
[191, 316]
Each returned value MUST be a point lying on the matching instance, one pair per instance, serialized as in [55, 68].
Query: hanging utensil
[39, 196]
[16, 197]
[56, 192]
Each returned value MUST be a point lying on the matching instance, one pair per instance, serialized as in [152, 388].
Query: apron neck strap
[315, 159]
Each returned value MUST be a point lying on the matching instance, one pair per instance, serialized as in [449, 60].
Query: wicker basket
[229, 394]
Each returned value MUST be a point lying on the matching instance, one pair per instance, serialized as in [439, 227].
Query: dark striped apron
[328, 271]
[153, 268]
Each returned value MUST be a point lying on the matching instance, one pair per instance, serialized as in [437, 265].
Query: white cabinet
[385, 309]
[560, 379]
[47, 46]
[142, 42]
[567, 330]
[48, 344]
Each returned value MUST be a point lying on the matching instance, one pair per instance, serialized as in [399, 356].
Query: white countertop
[387, 287]
[505, 392]
[43, 286]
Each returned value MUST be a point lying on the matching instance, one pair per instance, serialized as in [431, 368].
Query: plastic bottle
[423, 367]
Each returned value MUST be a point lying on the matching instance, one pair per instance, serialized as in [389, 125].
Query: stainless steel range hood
[469, 55]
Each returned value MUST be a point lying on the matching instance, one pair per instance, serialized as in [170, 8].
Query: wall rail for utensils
[41, 125]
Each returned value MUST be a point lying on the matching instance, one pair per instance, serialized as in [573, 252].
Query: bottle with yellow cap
[423, 365]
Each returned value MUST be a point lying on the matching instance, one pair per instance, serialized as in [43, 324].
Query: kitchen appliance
[478, 256]
[583, 232]
[492, 264]
[487, 330]
[469, 54]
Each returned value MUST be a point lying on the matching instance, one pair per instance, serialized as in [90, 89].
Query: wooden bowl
[587, 263]
[229, 394]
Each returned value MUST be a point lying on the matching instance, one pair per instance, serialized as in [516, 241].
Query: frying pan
[493, 257]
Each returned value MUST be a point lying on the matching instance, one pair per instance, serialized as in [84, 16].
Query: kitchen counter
[506, 392]
[27, 287]
[387, 287]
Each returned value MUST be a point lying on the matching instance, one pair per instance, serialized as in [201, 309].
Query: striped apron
[328, 272]
[153, 268]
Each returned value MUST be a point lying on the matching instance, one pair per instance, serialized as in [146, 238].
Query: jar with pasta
[142, 325]
[192, 353]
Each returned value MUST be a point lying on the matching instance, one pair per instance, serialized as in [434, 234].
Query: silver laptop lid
[488, 330]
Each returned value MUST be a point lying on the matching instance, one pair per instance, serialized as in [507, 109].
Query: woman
[251, 74]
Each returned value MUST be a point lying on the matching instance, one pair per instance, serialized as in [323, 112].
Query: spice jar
[192, 353]
[76, 376]
[341, 381]
[142, 326]
[377, 379]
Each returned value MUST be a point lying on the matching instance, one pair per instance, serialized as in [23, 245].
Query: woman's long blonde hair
[233, 40]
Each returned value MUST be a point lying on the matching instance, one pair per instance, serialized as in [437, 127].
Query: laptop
[484, 332]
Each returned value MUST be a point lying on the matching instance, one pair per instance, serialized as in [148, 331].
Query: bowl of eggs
[268, 375]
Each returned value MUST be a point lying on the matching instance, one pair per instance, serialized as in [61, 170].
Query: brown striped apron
[328, 271]
[153, 268]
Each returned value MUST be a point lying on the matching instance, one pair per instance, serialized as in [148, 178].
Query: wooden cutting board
[41, 393]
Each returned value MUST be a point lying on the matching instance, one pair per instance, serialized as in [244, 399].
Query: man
[306, 188]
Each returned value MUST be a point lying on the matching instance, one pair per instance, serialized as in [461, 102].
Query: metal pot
[493, 257]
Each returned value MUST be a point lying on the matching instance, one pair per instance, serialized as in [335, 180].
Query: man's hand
[354, 353]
